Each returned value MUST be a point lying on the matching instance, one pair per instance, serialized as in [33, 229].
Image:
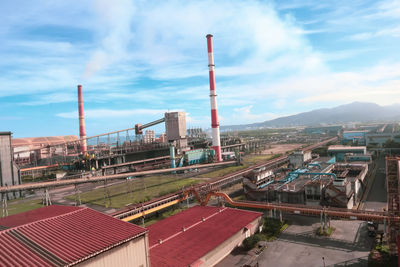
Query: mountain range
[353, 112]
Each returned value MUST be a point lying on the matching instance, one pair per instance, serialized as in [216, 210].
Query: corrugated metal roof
[205, 229]
[35, 215]
[13, 253]
[61, 235]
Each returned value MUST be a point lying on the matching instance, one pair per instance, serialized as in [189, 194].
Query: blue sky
[138, 59]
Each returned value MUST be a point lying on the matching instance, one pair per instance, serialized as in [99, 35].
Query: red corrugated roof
[63, 235]
[182, 248]
[35, 215]
[13, 253]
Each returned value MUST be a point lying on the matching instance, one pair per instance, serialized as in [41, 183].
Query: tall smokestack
[82, 130]
[213, 99]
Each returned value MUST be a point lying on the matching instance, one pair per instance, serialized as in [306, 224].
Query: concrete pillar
[321, 221]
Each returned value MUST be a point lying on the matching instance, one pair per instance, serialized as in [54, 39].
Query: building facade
[9, 172]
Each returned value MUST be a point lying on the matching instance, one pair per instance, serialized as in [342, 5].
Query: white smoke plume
[115, 19]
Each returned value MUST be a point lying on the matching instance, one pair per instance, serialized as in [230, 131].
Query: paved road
[376, 199]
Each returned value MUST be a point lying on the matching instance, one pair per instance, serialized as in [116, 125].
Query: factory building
[32, 149]
[339, 151]
[379, 139]
[355, 137]
[9, 172]
[318, 183]
[393, 200]
[200, 236]
[331, 130]
[175, 128]
[71, 236]
[299, 158]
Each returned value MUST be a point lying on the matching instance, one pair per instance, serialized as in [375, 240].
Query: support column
[321, 228]
[46, 198]
[4, 205]
[78, 201]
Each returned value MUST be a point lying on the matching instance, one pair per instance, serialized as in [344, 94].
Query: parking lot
[298, 245]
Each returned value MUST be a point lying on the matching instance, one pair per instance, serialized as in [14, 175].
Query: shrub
[251, 242]
[272, 227]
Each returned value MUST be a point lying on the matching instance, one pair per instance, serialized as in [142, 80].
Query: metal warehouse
[200, 236]
[66, 236]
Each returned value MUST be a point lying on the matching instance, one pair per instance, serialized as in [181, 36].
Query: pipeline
[135, 209]
[15, 188]
[306, 210]
[314, 173]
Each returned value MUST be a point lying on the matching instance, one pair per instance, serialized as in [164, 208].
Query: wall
[8, 172]
[296, 159]
[133, 253]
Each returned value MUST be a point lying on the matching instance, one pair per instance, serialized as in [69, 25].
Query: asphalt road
[376, 199]
[298, 245]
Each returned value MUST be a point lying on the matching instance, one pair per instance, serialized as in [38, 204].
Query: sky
[139, 59]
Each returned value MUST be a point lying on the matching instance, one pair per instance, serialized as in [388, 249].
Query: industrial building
[355, 137]
[29, 149]
[393, 200]
[9, 172]
[339, 151]
[332, 130]
[321, 182]
[200, 236]
[298, 159]
[71, 236]
[380, 134]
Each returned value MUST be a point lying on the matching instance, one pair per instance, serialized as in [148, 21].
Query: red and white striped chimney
[82, 129]
[213, 99]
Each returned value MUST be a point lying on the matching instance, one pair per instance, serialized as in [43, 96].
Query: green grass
[326, 232]
[273, 228]
[255, 159]
[21, 205]
[222, 172]
[246, 161]
[239, 198]
[135, 191]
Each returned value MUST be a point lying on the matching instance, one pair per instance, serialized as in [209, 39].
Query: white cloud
[111, 113]
[243, 115]
[260, 55]
[115, 18]
[392, 32]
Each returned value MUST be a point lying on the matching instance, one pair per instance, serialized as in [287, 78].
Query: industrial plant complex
[192, 196]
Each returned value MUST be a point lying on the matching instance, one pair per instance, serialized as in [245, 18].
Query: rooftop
[60, 235]
[339, 147]
[171, 246]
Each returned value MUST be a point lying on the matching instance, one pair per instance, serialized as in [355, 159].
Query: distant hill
[353, 112]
